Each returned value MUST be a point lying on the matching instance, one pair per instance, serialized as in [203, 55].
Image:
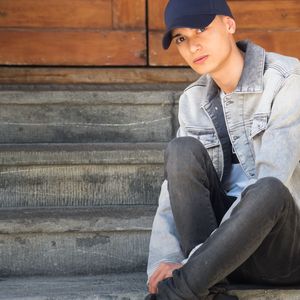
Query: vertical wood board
[129, 14]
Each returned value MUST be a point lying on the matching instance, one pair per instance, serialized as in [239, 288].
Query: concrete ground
[109, 287]
[103, 287]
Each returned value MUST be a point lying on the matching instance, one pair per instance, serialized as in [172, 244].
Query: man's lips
[200, 59]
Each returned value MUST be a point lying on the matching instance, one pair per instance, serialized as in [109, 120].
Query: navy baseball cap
[192, 14]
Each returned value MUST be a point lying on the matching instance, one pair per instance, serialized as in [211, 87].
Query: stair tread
[77, 219]
[88, 115]
[89, 96]
[88, 153]
[81, 146]
[112, 87]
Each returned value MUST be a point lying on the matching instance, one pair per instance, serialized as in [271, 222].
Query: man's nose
[195, 45]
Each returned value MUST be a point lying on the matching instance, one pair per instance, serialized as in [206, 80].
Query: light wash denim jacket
[263, 121]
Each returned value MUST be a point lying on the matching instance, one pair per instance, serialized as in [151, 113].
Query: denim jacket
[263, 122]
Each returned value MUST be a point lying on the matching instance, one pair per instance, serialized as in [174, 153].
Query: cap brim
[195, 21]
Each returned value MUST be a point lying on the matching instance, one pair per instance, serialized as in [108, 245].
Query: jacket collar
[251, 80]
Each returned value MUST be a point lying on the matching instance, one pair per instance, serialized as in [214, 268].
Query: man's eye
[179, 40]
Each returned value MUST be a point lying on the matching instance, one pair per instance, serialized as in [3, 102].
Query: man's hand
[163, 271]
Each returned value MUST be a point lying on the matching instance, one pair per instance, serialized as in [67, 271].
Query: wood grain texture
[56, 14]
[274, 24]
[287, 43]
[65, 75]
[269, 15]
[129, 14]
[160, 57]
[72, 48]
[113, 32]
[255, 14]
[276, 41]
[156, 14]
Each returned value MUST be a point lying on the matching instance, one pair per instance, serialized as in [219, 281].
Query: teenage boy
[228, 209]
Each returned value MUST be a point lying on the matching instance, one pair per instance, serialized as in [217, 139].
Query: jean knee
[273, 185]
[274, 192]
[180, 148]
[181, 156]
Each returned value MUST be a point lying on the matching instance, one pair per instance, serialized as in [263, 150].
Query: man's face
[206, 51]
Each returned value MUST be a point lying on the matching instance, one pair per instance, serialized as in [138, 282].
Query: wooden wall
[273, 24]
[114, 32]
[72, 32]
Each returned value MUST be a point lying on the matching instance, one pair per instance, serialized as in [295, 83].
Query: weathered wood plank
[267, 14]
[259, 14]
[27, 75]
[129, 14]
[72, 48]
[276, 41]
[160, 57]
[156, 14]
[56, 14]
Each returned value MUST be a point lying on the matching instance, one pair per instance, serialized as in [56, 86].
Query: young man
[228, 209]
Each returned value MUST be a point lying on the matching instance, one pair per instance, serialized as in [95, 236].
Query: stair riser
[142, 124]
[80, 185]
[85, 117]
[127, 286]
[72, 254]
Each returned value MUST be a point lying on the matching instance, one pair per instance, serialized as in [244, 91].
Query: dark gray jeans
[258, 244]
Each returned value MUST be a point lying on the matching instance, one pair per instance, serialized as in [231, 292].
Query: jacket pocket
[259, 124]
[206, 136]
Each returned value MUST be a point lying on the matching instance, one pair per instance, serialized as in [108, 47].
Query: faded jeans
[258, 244]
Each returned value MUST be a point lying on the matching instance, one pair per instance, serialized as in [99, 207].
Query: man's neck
[228, 76]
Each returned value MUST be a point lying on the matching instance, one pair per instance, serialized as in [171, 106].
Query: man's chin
[199, 72]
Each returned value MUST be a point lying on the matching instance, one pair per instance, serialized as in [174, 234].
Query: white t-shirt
[237, 179]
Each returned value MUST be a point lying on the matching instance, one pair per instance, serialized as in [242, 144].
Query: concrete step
[68, 241]
[267, 293]
[87, 115]
[129, 286]
[104, 287]
[43, 175]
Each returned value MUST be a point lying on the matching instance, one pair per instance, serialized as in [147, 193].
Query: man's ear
[230, 25]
